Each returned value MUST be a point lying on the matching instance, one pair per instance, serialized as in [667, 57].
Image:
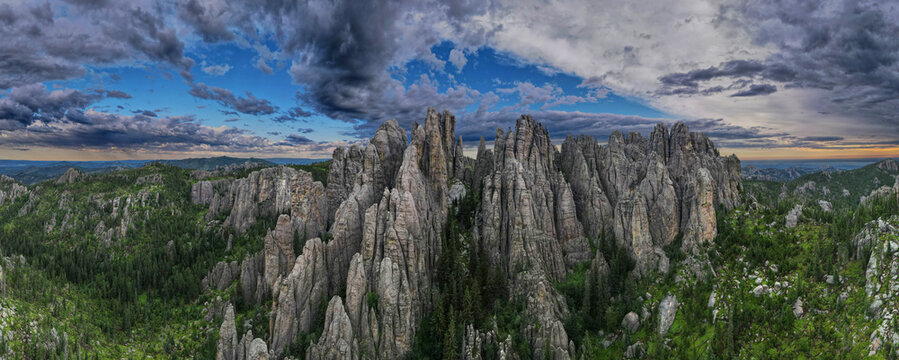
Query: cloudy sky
[106, 79]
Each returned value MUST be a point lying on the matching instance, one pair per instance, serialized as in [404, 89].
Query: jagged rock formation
[227, 345]
[386, 206]
[881, 285]
[376, 165]
[267, 192]
[70, 177]
[888, 165]
[355, 182]
[528, 225]
[278, 251]
[527, 218]
[252, 282]
[476, 343]
[298, 296]
[337, 340]
[649, 190]
[221, 276]
[13, 189]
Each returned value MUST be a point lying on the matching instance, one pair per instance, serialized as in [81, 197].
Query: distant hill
[841, 187]
[774, 174]
[33, 172]
[37, 173]
[214, 162]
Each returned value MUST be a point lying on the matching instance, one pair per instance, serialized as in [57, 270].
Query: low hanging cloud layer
[769, 74]
[32, 116]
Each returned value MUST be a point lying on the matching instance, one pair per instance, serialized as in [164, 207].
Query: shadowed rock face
[386, 205]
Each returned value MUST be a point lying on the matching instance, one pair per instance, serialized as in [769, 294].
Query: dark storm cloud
[343, 52]
[295, 139]
[848, 48]
[117, 94]
[735, 68]
[104, 131]
[757, 89]
[146, 113]
[248, 104]
[297, 112]
[20, 68]
[32, 116]
[208, 22]
[25, 104]
[293, 115]
[822, 138]
[737, 71]
[38, 46]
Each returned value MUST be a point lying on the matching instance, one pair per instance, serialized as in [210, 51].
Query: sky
[154, 79]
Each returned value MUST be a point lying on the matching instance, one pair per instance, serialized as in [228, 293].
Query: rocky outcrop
[10, 189]
[356, 180]
[631, 322]
[483, 165]
[631, 229]
[825, 205]
[528, 217]
[376, 165]
[676, 177]
[70, 177]
[888, 165]
[337, 340]
[547, 309]
[251, 348]
[386, 206]
[254, 288]
[479, 345]
[221, 276]
[278, 251]
[881, 284]
[400, 236]
[267, 192]
[298, 296]
[529, 227]
[667, 313]
[792, 218]
[700, 225]
[227, 345]
[259, 273]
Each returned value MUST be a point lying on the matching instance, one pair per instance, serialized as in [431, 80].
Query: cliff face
[385, 207]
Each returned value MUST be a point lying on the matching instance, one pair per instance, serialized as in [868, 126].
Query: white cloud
[216, 70]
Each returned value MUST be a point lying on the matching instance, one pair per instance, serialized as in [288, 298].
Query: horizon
[103, 81]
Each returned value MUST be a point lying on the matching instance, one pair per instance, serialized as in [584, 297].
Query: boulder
[792, 218]
[667, 313]
[631, 322]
